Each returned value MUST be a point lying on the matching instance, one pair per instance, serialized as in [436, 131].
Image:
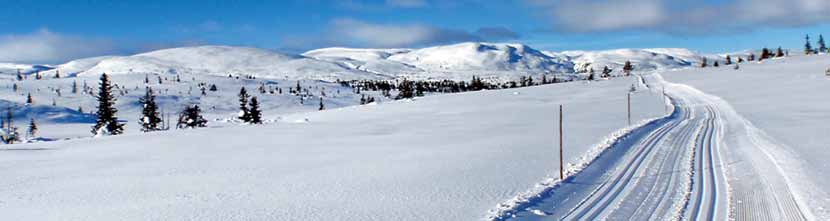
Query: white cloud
[355, 32]
[681, 16]
[43, 46]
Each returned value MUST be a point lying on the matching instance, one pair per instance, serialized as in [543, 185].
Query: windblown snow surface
[443, 157]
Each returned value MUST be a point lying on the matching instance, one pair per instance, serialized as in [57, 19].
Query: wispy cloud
[681, 16]
[356, 33]
[44, 46]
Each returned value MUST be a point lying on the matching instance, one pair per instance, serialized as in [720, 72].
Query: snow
[368, 162]
[784, 103]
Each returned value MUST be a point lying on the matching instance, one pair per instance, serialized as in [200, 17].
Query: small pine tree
[191, 117]
[150, 118]
[716, 64]
[19, 75]
[57, 73]
[808, 48]
[779, 53]
[255, 112]
[32, 128]
[606, 72]
[29, 99]
[74, 87]
[106, 122]
[244, 113]
[704, 62]
[728, 60]
[627, 68]
[821, 46]
[321, 104]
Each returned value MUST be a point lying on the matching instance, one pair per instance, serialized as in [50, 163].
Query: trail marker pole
[629, 109]
[561, 173]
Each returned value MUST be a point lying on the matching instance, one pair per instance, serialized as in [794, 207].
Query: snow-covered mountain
[642, 59]
[457, 61]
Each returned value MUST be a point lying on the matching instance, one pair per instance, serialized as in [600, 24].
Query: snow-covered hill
[642, 59]
[457, 62]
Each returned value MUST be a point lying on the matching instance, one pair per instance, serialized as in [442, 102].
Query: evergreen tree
[765, 53]
[106, 122]
[321, 104]
[715, 64]
[606, 72]
[57, 73]
[255, 112]
[19, 75]
[191, 117]
[74, 87]
[405, 90]
[808, 48]
[32, 127]
[821, 46]
[244, 113]
[29, 99]
[779, 53]
[728, 60]
[704, 62]
[150, 119]
[10, 134]
[627, 68]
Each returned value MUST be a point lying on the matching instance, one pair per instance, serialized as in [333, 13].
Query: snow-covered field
[786, 100]
[741, 143]
[446, 157]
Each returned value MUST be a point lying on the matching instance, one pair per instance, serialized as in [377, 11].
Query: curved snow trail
[678, 168]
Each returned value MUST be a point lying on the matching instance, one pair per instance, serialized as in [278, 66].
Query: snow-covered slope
[224, 60]
[448, 157]
[642, 59]
[457, 62]
[368, 60]
[483, 57]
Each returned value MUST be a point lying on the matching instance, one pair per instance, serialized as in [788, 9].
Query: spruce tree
[32, 127]
[703, 63]
[808, 48]
[150, 118]
[106, 122]
[716, 64]
[321, 104]
[19, 75]
[779, 53]
[191, 117]
[821, 46]
[74, 87]
[57, 73]
[255, 113]
[244, 113]
[29, 99]
[627, 68]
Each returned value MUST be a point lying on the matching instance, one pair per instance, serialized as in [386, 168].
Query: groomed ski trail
[675, 168]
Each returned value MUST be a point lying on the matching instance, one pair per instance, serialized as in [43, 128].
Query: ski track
[676, 170]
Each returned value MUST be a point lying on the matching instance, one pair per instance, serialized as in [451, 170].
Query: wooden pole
[561, 168]
[629, 109]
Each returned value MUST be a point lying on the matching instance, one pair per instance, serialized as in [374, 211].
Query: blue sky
[54, 31]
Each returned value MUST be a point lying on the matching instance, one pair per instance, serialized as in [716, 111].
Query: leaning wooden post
[561, 173]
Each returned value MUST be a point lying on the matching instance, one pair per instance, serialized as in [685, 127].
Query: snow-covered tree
[106, 122]
[244, 113]
[150, 118]
[191, 117]
[32, 128]
[255, 112]
[606, 72]
[808, 48]
[627, 68]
